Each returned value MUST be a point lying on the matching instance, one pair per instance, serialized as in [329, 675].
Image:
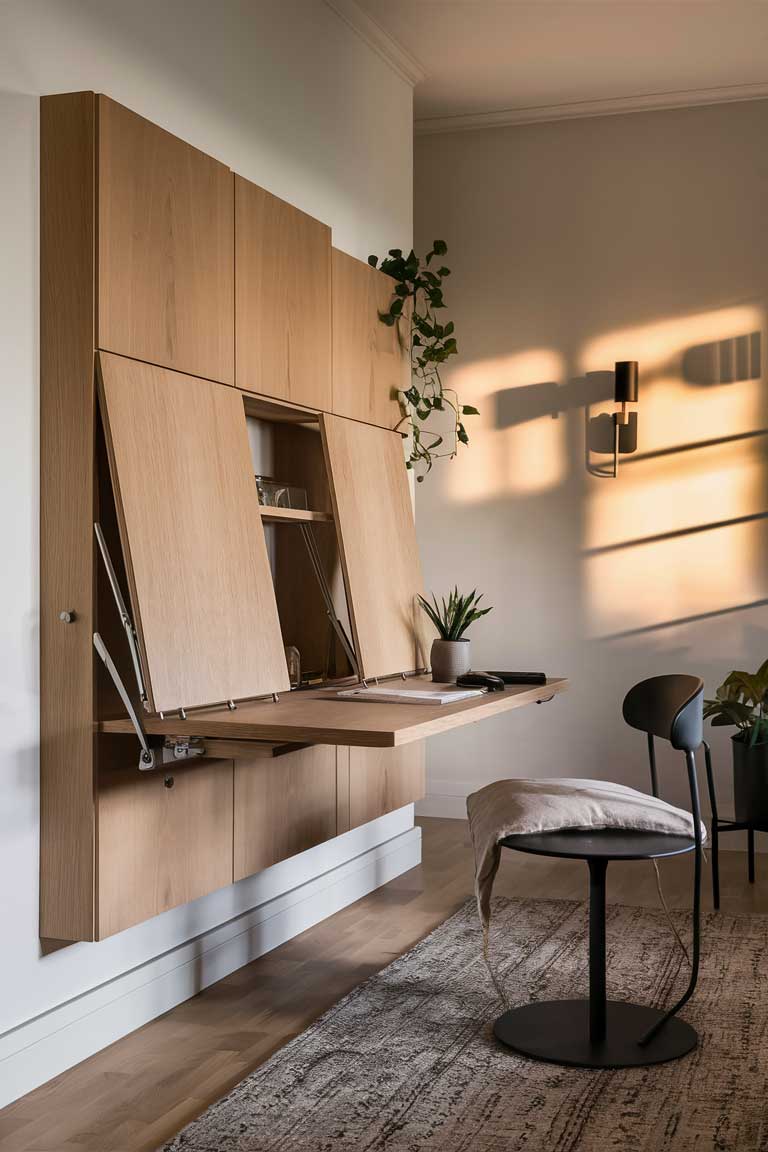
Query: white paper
[411, 696]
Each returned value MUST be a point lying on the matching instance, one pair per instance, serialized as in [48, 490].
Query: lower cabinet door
[383, 779]
[283, 805]
[164, 837]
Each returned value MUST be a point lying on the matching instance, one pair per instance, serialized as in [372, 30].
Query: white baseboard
[435, 804]
[447, 798]
[41, 1048]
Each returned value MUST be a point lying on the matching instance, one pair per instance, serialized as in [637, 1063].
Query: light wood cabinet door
[165, 246]
[283, 805]
[67, 498]
[159, 846]
[196, 558]
[371, 362]
[383, 779]
[282, 299]
[377, 540]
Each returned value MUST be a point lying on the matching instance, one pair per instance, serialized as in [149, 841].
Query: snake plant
[454, 617]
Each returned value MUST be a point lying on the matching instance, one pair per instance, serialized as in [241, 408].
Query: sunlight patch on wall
[656, 547]
[516, 445]
[685, 488]
[660, 346]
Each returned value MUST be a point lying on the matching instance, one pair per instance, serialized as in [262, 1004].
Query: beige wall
[574, 245]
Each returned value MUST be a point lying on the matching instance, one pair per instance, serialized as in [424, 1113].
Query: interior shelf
[278, 515]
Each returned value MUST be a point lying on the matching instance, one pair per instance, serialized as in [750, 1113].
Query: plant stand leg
[715, 866]
[751, 854]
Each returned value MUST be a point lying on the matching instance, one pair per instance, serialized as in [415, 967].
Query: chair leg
[751, 854]
[649, 1035]
[714, 845]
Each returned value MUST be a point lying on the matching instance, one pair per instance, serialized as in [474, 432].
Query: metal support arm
[155, 751]
[317, 565]
[125, 618]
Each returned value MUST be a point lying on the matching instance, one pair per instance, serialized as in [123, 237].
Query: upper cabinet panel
[166, 248]
[283, 299]
[201, 588]
[380, 558]
[370, 361]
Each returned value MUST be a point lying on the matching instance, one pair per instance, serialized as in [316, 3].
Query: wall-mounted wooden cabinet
[283, 806]
[164, 838]
[383, 779]
[283, 299]
[165, 248]
[371, 362]
[138, 267]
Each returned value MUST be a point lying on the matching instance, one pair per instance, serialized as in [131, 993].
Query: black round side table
[596, 1033]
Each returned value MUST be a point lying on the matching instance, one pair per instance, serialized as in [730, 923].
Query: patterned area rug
[407, 1062]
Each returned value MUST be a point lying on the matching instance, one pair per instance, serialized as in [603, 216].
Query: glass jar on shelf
[277, 494]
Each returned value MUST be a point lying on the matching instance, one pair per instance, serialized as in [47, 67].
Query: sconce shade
[626, 382]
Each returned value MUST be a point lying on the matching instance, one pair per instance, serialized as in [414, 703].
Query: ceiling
[509, 61]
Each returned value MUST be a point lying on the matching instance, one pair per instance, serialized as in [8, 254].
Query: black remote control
[480, 680]
[520, 677]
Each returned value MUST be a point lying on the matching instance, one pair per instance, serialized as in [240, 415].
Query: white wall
[574, 245]
[285, 93]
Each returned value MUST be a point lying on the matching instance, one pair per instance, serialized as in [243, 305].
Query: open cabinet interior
[299, 540]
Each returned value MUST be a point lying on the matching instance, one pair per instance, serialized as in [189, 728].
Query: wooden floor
[143, 1089]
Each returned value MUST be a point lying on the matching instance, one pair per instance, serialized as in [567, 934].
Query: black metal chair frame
[720, 824]
[599, 1033]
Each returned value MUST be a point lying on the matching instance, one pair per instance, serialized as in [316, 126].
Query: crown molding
[583, 109]
[401, 61]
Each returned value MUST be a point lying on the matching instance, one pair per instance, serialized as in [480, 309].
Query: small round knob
[68, 617]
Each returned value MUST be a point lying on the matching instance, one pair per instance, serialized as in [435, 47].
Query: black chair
[601, 1033]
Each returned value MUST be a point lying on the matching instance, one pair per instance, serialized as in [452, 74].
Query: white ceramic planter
[449, 659]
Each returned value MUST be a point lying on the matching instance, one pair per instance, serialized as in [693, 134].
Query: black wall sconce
[616, 433]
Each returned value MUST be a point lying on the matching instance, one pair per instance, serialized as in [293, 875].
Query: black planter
[750, 782]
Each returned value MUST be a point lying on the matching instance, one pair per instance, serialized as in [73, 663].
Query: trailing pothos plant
[742, 700]
[431, 344]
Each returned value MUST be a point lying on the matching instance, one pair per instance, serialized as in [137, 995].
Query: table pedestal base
[558, 1031]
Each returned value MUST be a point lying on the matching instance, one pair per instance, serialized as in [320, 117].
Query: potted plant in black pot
[742, 700]
[450, 656]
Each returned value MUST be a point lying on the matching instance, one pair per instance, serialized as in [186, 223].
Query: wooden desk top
[317, 716]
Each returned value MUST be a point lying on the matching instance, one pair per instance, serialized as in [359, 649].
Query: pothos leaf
[432, 344]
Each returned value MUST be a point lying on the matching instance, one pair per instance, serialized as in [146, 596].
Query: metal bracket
[317, 565]
[155, 751]
[125, 618]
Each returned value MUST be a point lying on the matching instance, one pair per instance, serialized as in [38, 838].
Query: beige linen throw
[512, 807]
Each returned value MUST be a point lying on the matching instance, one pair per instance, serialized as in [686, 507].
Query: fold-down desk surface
[319, 717]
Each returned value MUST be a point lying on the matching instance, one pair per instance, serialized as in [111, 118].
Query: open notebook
[405, 695]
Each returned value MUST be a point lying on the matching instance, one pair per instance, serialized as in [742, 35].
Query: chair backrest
[671, 707]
